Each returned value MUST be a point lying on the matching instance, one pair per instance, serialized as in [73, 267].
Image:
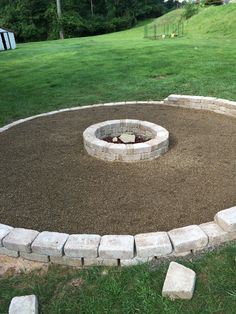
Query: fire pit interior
[126, 140]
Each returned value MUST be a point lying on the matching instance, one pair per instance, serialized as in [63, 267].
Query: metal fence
[155, 31]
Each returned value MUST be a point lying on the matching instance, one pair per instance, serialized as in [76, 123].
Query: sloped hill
[213, 21]
[172, 17]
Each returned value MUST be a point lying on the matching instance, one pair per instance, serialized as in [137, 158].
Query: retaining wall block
[152, 244]
[35, 257]
[4, 251]
[188, 238]
[135, 261]
[4, 230]
[20, 239]
[100, 262]
[116, 247]
[66, 261]
[181, 254]
[24, 305]
[49, 243]
[82, 245]
[216, 234]
[226, 219]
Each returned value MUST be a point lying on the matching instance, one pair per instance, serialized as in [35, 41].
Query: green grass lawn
[43, 76]
[128, 290]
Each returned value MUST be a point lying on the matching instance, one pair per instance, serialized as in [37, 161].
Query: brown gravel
[48, 181]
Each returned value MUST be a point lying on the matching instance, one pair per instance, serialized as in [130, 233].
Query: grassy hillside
[213, 21]
[171, 17]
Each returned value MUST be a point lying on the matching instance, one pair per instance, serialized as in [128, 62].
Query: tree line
[34, 20]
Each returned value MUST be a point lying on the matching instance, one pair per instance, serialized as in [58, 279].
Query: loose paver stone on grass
[179, 282]
[24, 305]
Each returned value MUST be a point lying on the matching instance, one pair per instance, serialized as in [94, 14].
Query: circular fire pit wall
[156, 140]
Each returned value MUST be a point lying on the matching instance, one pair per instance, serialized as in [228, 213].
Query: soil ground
[49, 182]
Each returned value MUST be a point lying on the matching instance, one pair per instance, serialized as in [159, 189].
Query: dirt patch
[10, 266]
[49, 182]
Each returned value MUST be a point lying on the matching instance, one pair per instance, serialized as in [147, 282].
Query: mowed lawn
[131, 290]
[43, 76]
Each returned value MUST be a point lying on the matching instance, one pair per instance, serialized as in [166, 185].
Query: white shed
[7, 39]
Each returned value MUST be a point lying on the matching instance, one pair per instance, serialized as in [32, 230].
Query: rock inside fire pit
[127, 138]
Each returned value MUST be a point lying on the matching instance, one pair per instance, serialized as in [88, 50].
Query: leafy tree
[34, 20]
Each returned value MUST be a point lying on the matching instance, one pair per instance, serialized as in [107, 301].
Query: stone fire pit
[155, 140]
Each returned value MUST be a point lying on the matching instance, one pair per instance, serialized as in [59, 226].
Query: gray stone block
[116, 247]
[188, 238]
[100, 262]
[82, 245]
[24, 305]
[153, 244]
[4, 230]
[179, 282]
[20, 239]
[66, 261]
[35, 257]
[181, 254]
[226, 219]
[49, 243]
[216, 234]
[4, 251]
[135, 261]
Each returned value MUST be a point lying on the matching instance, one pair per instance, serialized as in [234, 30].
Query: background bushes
[34, 20]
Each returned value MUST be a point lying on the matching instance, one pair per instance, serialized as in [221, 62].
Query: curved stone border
[152, 149]
[124, 250]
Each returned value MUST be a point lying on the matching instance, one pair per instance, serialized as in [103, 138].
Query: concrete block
[20, 239]
[4, 230]
[173, 98]
[24, 305]
[179, 282]
[116, 247]
[216, 234]
[100, 262]
[181, 254]
[4, 251]
[226, 219]
[188, 238]
[35, 257]
[153, 244]
[66, 261]
[135, 261]
[82, 245]
[49, 243]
